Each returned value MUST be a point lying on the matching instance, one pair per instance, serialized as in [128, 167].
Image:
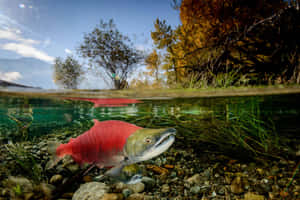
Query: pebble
[195, 179]
[87, 179]
[136, 197]
[56, 179]
[112, 196]
[126, 192]
[195, 189]
[236, 186]
[149, 182]
[252, 196]
[221, 190]
[24, 183]
[207, 173]
[47, 190]
[91, 191]
[67, 195]
[137, 188]
[165, 188]
[120, 186]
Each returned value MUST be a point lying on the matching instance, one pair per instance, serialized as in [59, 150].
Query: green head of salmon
[142, 145]
[146, 143]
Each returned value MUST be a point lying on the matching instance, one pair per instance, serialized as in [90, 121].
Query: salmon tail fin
[54, 156]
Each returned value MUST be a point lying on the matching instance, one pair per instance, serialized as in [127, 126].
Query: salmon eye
[148, 140]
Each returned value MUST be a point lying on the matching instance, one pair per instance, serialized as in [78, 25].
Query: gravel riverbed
[178, 174]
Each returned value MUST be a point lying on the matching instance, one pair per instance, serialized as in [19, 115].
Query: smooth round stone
[56, 179]
[137, 188]
[149, 182]
[165, 188]
[195, 189]
[91, 191]
[126, 193]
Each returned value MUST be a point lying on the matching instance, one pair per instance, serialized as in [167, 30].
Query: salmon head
[147, 143]
[143, 145]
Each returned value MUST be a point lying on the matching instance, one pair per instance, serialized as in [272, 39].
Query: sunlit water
[239, 127]
[40, 116]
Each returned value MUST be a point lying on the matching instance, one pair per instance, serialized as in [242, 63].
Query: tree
[67, 73]
[231, 41]
[255, 37]
[110, 51]
[153, 62]
[164, 37]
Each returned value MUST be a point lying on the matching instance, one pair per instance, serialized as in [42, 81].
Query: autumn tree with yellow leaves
[232, 42]
[153, 62]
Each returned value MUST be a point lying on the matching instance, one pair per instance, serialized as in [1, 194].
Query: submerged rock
[252, 196]
[237, 185]
[45, 189]
[195, 189]
[195, 179]
[14, 183]
[149, 182]
[111, 196]
[56, 179]
[165, 188]
[126, 192]
[91, 191]
[136, 197]
[137, 188]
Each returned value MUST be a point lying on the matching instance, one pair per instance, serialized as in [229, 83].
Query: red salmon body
[100, 144]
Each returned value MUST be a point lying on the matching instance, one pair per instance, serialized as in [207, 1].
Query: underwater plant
[23, 118]
[231, 127]
[26, 163]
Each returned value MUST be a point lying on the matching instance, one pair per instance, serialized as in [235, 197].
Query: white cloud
[68, 51]
[10, 34]
[10, 76]
[6, 21]
[27, 51]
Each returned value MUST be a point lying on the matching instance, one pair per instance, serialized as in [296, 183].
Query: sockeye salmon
[117, 144]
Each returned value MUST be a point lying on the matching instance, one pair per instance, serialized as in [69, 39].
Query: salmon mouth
[167, 138]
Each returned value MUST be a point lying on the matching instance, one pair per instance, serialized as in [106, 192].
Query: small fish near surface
[116, 144]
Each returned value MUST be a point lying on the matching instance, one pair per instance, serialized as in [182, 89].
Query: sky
[45, 29]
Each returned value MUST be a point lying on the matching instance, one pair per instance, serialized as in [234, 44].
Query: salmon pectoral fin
[115, 171]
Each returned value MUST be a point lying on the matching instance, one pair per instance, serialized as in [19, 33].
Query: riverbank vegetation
[218, 44]
[230, 43]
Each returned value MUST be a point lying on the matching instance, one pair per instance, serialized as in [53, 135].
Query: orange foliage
[216, 18]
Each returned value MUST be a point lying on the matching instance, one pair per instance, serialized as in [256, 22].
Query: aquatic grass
[240, 130]
[251, 137]
[26, 162]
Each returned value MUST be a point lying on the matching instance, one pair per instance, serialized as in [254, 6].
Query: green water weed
[26, 162]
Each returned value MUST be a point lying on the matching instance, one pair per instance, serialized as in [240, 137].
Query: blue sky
[45, 29]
